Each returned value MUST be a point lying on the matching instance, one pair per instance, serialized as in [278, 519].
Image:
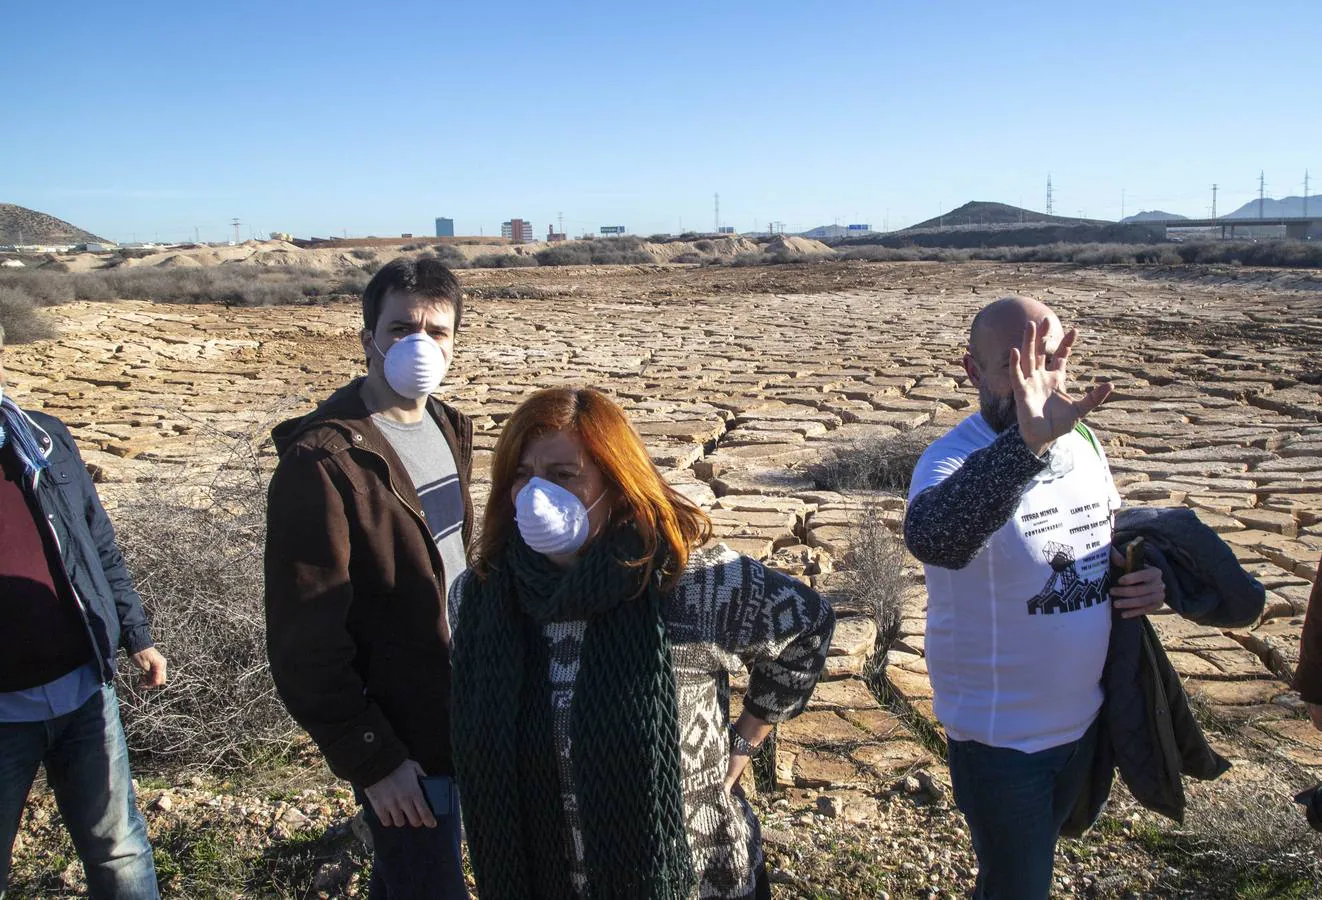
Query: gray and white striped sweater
[726, 612]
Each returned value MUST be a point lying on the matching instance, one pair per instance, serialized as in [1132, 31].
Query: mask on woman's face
[551, 519]
[414, 365]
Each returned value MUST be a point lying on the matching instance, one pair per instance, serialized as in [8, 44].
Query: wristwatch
[740, 745]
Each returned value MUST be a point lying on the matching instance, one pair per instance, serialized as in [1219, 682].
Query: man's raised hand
[1044, 410]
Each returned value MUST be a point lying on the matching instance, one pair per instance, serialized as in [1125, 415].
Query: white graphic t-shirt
[1016, 640]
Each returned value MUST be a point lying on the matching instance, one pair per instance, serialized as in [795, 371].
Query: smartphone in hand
[439, 791]
[1134, 558]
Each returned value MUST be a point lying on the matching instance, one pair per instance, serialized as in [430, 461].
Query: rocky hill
[1287, 207]
[1150, 215]
[20, 225]
[982, 212]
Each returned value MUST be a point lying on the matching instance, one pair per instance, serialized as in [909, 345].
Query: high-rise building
[444, 227]
[518, 231]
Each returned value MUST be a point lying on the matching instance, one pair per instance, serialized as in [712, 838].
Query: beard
[998, 410]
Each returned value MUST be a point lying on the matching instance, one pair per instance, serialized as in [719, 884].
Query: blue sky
[148, 120]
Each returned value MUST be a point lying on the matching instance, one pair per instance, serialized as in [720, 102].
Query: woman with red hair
[593, 643]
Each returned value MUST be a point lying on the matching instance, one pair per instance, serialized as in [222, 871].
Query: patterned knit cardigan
[726, 612]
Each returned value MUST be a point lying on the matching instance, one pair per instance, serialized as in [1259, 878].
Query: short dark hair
[422, 277]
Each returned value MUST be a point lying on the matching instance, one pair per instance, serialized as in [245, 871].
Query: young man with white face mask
[368, 519]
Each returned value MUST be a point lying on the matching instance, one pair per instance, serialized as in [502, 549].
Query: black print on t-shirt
[1065, 591]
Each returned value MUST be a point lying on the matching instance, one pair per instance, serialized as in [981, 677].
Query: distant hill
[981, 212]
[1278, 209]
[20, 225]
[1149, 215]
[825, 231]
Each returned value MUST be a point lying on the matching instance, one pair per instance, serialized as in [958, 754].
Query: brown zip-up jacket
[356, 627]
[1308, 676]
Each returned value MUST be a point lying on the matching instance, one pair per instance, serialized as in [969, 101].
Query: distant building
[553, 236]
[444, 227]
[725, 229]
[517, 230]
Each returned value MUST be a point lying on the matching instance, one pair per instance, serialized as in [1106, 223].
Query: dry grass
[886, 464]
[229, 285]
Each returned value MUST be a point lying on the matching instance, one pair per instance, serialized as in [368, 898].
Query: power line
[1262, 193]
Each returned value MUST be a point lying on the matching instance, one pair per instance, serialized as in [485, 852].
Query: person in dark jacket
[1011, 513]
[68, 606]
[1308, 676]
[368, 520]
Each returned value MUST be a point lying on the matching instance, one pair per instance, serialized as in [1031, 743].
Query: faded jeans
[1015, 804]
[87, 767]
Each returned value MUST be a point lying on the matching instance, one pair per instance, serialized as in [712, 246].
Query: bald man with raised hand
[1011, 513]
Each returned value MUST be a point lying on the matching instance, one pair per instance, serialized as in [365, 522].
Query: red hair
[669, 523]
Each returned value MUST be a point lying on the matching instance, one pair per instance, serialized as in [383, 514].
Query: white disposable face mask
[551, 519]
[414, 365]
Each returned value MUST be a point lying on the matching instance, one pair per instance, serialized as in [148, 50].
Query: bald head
[999, 326]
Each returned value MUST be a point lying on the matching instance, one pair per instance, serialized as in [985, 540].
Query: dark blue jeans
[87, 767]
[1015, 804]
[416, 863]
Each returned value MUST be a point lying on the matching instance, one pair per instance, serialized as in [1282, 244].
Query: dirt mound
[788, 245]
[179, 261]
[264, 257]
[718, 248]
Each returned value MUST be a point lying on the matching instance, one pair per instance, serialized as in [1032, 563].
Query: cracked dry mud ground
[741, 379]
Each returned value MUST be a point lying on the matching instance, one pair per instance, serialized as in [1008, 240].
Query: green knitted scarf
[623, 729]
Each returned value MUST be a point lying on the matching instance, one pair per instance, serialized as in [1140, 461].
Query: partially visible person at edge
[68, 606]
[594, 642]
[368, 521]
[1308, 676]
[1012, 512]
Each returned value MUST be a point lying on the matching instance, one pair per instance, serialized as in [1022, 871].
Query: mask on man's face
[414, 365]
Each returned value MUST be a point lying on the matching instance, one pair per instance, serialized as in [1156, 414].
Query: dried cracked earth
[741, 380]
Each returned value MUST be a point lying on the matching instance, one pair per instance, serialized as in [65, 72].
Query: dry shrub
[503, 261]
[626, 250]
[1249, 838]
[886, 464]
[194, 545]
[450, 257]
[229, 284]
[875, 580]
[21, 320]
